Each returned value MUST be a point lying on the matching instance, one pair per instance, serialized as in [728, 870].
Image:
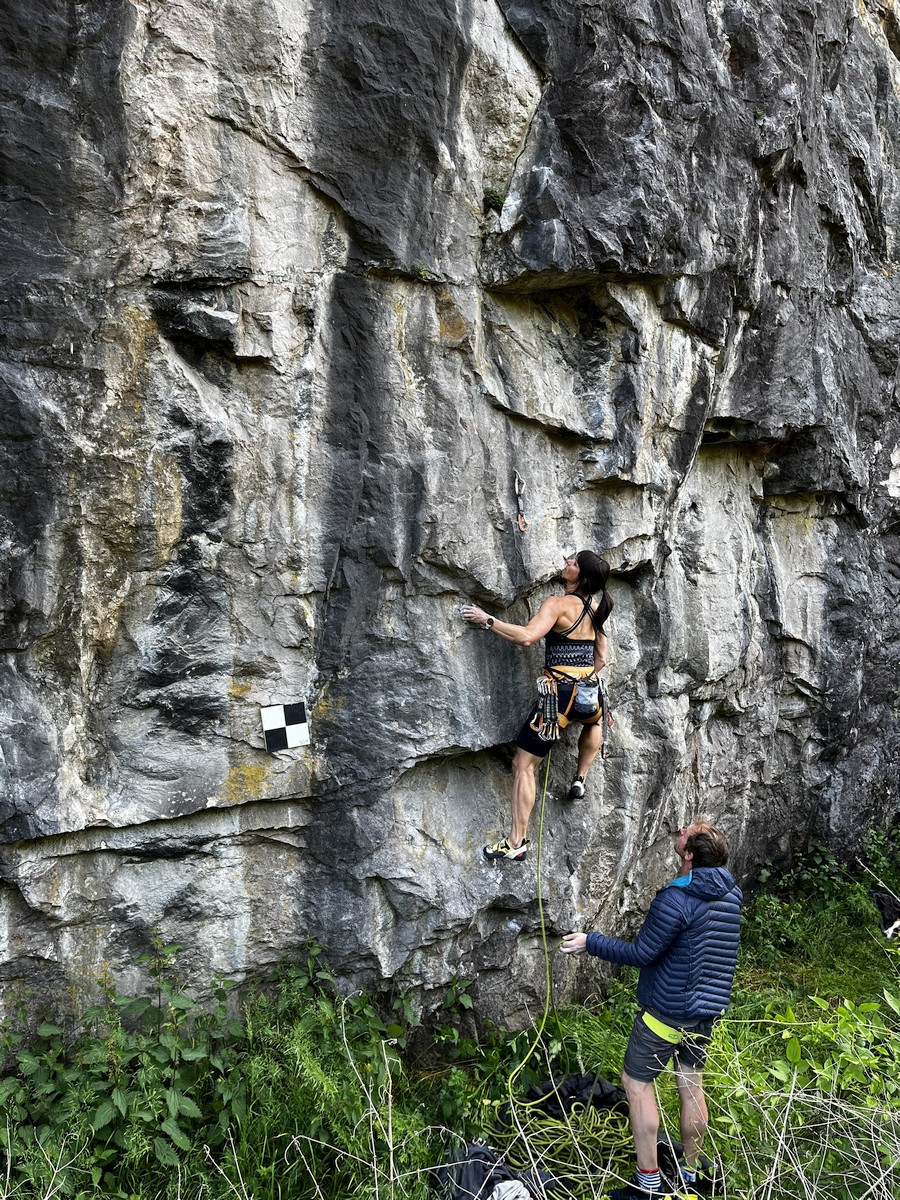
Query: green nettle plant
[298, 1092]
[94, 1112]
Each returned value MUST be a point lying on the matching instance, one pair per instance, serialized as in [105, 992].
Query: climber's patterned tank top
[564, 654]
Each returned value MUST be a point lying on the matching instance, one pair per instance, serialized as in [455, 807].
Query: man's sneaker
[576, 791]
[631, 1191]
[503, 849]
[706, 1176]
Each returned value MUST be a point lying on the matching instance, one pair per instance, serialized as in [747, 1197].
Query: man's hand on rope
[574, 943]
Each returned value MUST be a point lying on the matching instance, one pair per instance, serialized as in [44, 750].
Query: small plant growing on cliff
[457, 995]
[493, 199]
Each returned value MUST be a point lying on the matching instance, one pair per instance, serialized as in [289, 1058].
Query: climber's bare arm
[599, 651]
[522, 635]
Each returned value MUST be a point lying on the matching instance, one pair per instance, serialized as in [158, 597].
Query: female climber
[569, 687]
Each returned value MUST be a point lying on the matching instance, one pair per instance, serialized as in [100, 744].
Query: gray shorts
[647, 1054]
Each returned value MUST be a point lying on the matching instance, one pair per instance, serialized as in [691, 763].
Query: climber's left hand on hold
[474, 614]
[574, 943]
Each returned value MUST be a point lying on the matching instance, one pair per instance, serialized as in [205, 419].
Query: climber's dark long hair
[593, 572]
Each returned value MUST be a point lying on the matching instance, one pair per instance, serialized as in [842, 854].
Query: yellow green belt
[668, 1032]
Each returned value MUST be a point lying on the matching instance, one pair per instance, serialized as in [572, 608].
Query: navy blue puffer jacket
[686, 948]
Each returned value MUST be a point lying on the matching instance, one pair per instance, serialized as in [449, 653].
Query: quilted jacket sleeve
[663, 923]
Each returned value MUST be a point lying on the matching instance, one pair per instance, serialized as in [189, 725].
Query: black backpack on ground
[474, 1173]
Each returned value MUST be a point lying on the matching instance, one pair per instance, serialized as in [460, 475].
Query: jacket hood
[710, 883]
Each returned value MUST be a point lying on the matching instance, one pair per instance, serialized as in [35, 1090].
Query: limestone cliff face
[292, 289]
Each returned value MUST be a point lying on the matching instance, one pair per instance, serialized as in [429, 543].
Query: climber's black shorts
[647, 1054]
[528, 738]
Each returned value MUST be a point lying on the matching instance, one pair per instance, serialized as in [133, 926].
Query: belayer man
[569, 687]
[687, 950]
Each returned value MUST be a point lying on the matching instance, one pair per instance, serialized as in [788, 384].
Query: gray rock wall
[291, 292]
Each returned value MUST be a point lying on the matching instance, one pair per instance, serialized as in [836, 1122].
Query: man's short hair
[708, 845]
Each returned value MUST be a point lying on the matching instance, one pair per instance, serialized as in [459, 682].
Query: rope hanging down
[561, 1143]
[548, 960]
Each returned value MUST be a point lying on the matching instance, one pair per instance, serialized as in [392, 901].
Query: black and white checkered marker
[285, 726]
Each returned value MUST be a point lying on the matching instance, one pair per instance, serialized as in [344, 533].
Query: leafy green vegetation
[814, 930]
[299, 1092]
[493, 199]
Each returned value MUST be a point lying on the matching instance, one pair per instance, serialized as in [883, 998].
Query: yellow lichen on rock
[244, 782]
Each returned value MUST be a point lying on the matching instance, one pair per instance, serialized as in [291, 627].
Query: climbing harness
[571, 662]
[521, 520]
[587, 695]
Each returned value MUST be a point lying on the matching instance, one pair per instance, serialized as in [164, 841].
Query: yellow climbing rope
[548, 961]
[586, 1140]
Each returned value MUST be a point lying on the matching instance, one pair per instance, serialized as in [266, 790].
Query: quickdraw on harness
[521, 520]
[545, 721]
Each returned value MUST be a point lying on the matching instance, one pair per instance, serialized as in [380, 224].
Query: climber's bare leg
[589, 742]
[524, 790]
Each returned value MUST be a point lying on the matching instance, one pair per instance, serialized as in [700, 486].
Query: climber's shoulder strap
[586, 608]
